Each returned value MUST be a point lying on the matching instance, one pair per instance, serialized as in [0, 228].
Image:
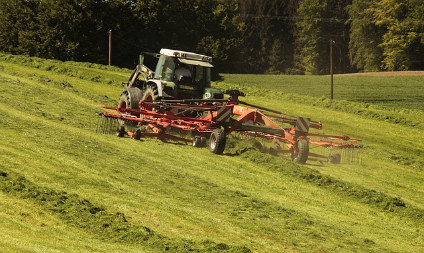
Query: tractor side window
[165, 68]
[183, 70]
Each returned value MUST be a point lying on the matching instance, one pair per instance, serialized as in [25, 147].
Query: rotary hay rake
[210, 121]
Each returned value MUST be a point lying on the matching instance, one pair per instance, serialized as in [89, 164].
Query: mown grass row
[107, 75]
[96, 219]
[359, 193]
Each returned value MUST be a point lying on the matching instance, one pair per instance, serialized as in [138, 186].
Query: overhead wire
[131, 43]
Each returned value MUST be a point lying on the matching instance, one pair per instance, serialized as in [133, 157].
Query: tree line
[243, 36]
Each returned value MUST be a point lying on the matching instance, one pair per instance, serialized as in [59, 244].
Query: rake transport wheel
[217, 141]
[303, 152]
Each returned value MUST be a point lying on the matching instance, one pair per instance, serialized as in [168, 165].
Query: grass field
[66, 188]
[391, 91]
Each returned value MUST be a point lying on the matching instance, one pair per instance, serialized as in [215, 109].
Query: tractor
[178, 75]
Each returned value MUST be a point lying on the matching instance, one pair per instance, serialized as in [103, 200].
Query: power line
[319, 19]
[294, 19]
[131, 43]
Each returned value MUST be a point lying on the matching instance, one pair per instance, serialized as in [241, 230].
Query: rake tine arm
[148, 113]
[334, 137]
[328, 144]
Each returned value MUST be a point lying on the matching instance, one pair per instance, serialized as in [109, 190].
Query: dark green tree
[209, 27]
[268, 35]
[59, 29]
[320, 22]
[18, 26]
[365, 36]
[9, 32]
[387, 34]
[402, 43]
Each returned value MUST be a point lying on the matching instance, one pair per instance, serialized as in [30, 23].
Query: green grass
[405, 92]
[27, 228]
[64, 187]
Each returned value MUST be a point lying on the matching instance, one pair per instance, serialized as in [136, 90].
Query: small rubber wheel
[121, 131]
[203, 141]
[334, 158]
[137, 134]
[217, 141]
[197, 142]
[273, 150]
[303, 152]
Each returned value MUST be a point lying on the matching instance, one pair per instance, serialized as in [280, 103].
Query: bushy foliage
[267, 36]
[78, 30]
[387, 34]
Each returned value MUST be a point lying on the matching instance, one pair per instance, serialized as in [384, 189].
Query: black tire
[150, 93]
[334, 158]
[137, 134]
[130, 98]
[121, 131]
[197, 142]
[303, 152]
[217, 141]
[273, 150]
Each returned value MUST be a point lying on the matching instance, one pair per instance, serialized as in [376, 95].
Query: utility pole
[331, 66]
[110, 47]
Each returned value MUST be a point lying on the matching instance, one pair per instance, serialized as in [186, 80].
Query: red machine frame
[227, 115]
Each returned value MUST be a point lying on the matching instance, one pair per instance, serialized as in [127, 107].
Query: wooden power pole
[110, 47]
[331, 66]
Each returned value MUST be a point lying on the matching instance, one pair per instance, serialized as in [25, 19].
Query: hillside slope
[64, 187]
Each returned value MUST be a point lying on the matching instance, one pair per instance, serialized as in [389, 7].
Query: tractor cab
[188, 73]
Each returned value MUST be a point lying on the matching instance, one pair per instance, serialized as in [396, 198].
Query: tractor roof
[188, 57]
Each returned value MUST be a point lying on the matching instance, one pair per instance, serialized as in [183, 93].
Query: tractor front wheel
[150, 94]
[217, 141]
[302, 152]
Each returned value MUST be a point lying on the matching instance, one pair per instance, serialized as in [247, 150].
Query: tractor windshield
[168, 69]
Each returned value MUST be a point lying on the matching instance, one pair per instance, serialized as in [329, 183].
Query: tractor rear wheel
[129, 100]
[217, 141]
[124, 103]
[303, 152]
